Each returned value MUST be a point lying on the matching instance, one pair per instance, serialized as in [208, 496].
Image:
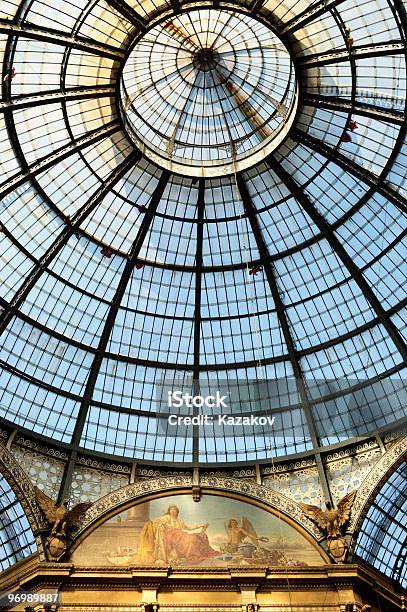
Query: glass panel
[17, 539]
[382, 537]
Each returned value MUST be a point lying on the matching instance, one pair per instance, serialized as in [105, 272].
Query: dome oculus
[208, 92]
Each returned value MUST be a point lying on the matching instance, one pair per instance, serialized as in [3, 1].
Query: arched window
[382, 539]
[16, 538]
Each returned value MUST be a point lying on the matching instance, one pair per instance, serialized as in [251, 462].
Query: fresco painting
[216, 532]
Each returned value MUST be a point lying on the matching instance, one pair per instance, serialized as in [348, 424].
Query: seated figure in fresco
[166, 539]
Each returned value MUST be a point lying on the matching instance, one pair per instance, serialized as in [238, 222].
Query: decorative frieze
[347, 473]
[103, 465]
[287, 467]
[38, 447]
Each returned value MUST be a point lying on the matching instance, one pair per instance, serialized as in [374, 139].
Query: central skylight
[208, 92]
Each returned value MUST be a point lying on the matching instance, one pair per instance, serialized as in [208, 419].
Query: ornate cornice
[33, 575]
[38, 447]
[292, 466]
[103, 465]
[351, 451]
[372, 483]
[173, 484]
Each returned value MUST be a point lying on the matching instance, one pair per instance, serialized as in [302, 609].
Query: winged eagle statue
[332, 520]
[61, 519]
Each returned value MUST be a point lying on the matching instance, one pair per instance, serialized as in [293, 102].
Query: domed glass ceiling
[120, 272]
[208, 92]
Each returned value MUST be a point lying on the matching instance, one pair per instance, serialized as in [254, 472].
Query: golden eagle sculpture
[332, 520]
[60, 519]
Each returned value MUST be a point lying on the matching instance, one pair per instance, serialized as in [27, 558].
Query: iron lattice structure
[119, 273]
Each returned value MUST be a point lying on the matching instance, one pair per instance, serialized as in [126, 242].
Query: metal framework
[378, 183]
[191, 298]
[358, 52]
[362, 108]
[309, 15]
[44, 34]
[51, 97]
[349, 265]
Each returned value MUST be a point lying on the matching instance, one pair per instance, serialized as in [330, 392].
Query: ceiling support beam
[110, 321]
[257, 6]
[67, 477]
[53, 97]
[309, 15]
[129, 14]
[342, 27]
[176, 6]
[364, 109]
[197, 312]
[357, 52]
[376, 182]
[60, 154]
[400, 561]
[285, 326]
[60, 38]
[341, 253]
[32, 278]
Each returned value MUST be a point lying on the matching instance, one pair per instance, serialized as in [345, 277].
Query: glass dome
[208, 92]
[279, 264]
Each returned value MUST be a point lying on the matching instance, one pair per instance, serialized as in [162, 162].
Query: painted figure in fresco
[167, 539]
[237, 534]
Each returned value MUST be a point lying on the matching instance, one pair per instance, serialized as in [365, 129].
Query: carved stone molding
[278, 468]
[244, 472]
[351, 450]
[148, 472]
[402, 431]
[98, 608]
[36, 446]
[169, 608]
[104, 465]
[374, 480]
[245, 488]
